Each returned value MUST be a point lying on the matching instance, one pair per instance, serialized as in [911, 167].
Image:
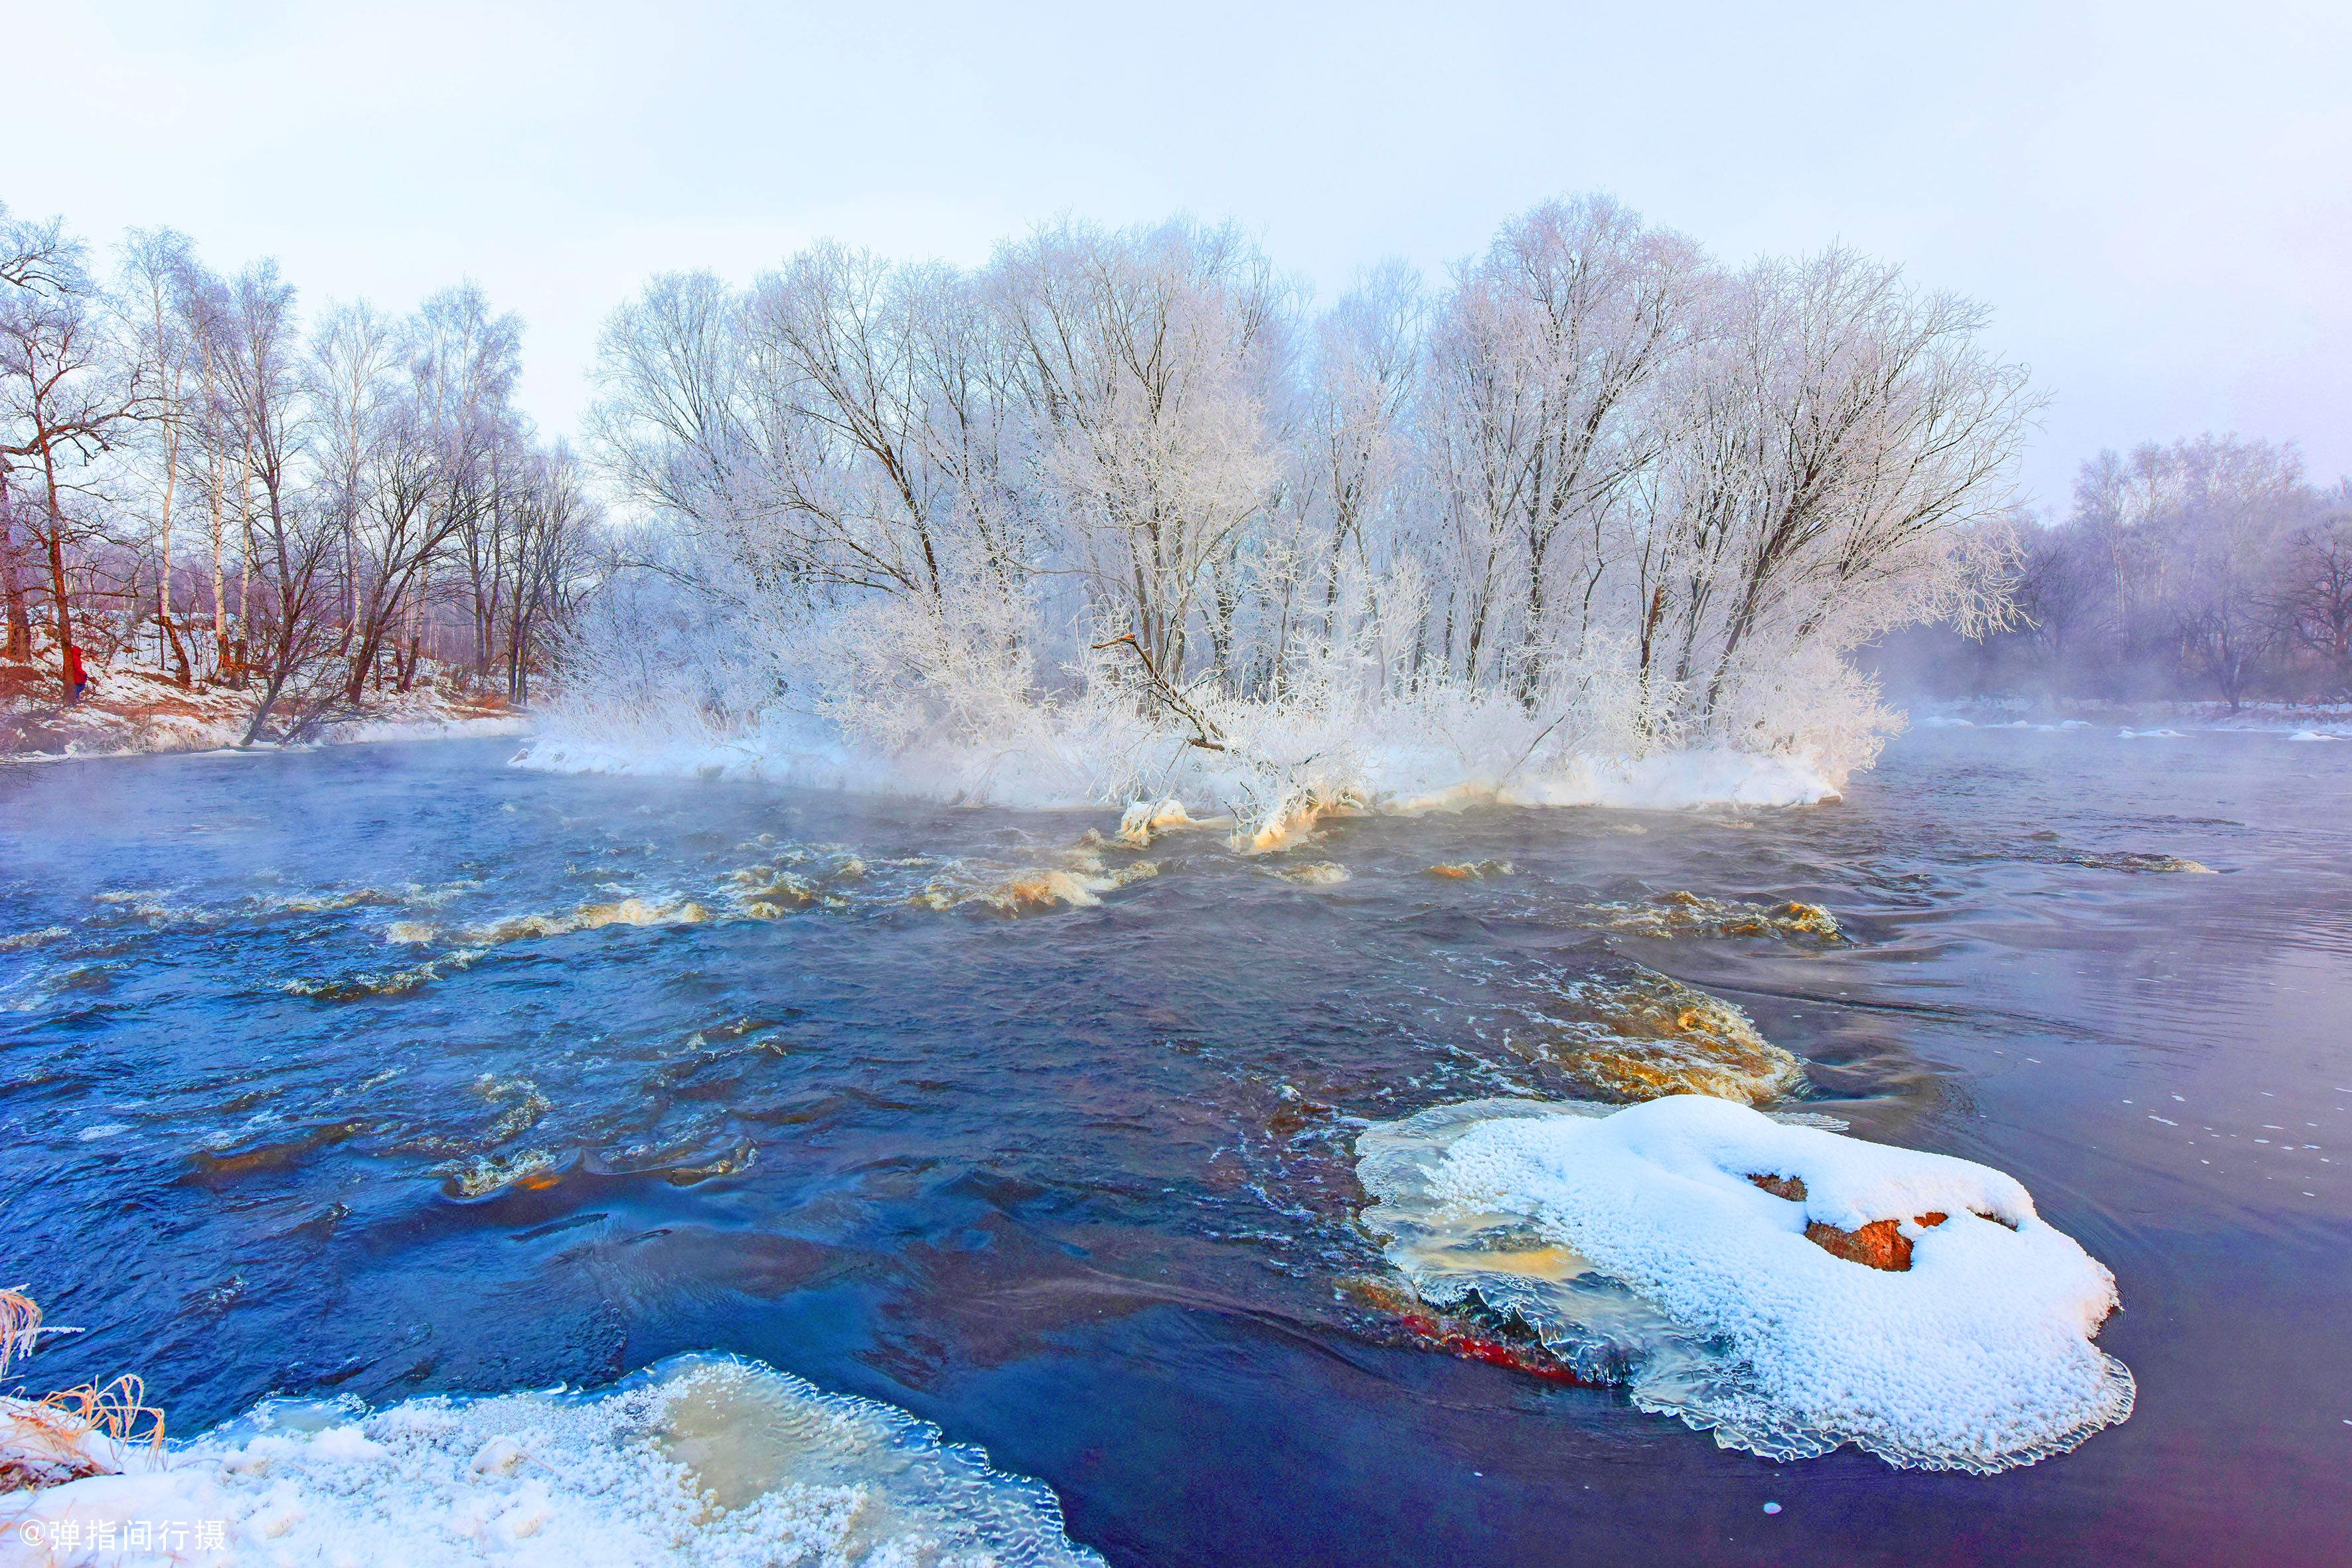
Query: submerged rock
[1469, 1329]
[769, 893]
[2130, 860]
[639, 913]
[1472, 871]
[1646, 1034]
[1691, 914]
[1033, 888]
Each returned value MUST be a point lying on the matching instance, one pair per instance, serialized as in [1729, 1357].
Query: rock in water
[1646, 1034]
[1691, 914]
[1743, 1272]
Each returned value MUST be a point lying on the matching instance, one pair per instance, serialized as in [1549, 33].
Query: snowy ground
[130, 711]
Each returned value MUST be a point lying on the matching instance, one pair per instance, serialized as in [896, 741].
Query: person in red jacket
[75, 676]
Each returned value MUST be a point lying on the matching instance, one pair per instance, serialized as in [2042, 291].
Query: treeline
[2206, 570]
[191, 472]
[1594, 476]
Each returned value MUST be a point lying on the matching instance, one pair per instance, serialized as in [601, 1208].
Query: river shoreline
[134, 712]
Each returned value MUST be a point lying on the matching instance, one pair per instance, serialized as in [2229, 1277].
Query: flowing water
[388, 1071]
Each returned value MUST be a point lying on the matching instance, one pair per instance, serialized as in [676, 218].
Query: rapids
[378, 1074]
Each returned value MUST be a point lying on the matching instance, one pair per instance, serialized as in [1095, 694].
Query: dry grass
[20, 1327]
[119, 1409]
[46, 1441]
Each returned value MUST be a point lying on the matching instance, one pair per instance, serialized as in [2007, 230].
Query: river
[352, 1073]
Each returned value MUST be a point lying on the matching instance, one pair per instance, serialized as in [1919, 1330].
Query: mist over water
[385, 1071]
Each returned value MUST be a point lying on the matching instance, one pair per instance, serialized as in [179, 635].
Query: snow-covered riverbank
[1055, 772]
[135, 712]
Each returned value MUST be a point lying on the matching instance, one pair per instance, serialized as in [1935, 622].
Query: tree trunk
[179, 653]
[20, 623]
[58, 575]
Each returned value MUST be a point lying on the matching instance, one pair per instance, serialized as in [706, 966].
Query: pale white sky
[2156, 198]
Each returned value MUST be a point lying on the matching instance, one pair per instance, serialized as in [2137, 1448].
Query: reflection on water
[282, 1117]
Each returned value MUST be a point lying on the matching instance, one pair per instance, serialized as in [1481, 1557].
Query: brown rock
[1881, 1243]
[1878, 1245]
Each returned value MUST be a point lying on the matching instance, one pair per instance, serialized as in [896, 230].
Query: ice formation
[1145, 818]
[1638, 1246]
[699, 1461]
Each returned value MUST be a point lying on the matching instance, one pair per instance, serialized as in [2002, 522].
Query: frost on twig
[1205, 733]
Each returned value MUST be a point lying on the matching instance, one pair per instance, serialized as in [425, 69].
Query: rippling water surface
[391, 1070]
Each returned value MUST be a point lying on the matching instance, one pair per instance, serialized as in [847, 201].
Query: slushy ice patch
[699, 1461]
[1638, 1246]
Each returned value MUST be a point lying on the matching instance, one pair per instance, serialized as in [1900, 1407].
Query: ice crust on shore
[699, 1461]
[1632, 1243]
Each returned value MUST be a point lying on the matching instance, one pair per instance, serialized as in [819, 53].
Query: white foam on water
[1631, 1241]
[699, 1461]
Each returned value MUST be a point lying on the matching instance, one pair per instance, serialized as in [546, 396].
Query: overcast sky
[2156, 199]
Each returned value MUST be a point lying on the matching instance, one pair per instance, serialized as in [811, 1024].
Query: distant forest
[2206, 570]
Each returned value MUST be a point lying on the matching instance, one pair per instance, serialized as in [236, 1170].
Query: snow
[132, 711]
[1979, 1357]
[430, 729]
[1144, 818]
[699, 1461]
[1399, 780]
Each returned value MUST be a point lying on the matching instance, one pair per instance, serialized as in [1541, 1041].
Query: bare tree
[1136, 357]
[2317, 590]
[556, 530]
[68, 398]
[287, 626]
[157, 266]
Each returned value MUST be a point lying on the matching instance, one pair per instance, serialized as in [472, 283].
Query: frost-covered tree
[1594, 490]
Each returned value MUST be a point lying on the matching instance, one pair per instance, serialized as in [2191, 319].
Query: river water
[351, 1072]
